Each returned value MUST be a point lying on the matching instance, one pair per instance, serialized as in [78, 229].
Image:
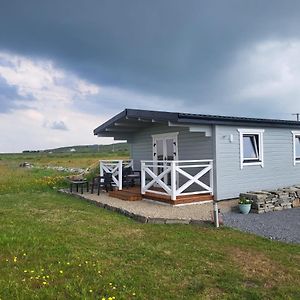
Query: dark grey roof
[130, 120]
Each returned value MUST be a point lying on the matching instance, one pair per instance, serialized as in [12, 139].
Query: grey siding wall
[278, 171]
[191, 145]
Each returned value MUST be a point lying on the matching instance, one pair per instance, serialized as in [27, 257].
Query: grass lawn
[54, 246]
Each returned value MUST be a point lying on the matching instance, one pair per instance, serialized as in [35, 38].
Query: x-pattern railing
[115, 168]
[167, 179]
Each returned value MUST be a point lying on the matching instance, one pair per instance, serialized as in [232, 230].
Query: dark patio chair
[102, 183]
[130, 177]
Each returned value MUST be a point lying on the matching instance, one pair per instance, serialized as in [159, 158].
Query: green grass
[104, 254]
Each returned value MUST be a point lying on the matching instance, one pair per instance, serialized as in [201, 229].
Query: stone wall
[266, 201]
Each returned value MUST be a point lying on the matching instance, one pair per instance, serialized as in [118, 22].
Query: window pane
[297, 146]
[160, 149]
[250, 143]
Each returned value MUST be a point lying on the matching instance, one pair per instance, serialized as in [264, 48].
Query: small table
[78, 183]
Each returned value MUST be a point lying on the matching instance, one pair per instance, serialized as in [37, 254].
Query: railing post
[101, 168]
[120, 173]
[143, 178]
[211, 178]
[173, 180]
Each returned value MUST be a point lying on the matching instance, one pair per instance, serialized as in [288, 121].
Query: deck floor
[134, 194]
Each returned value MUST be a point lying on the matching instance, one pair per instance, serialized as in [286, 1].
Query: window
[251, 147]
[296, 142]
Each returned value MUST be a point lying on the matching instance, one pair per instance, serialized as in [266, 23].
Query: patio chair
[130, 176]
[102, 182]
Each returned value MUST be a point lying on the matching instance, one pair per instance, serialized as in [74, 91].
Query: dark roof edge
[227, 120]
[120, 115]
[195, 119]
[139, 113]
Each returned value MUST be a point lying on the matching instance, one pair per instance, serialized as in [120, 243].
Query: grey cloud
[57, 125]
[8, 95]
[172, 48]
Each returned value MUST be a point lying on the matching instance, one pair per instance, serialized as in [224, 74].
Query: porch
[173, 182]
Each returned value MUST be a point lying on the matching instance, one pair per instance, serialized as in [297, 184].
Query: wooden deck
[134, 194]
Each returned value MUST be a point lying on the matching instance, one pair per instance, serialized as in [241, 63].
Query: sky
[67, 66]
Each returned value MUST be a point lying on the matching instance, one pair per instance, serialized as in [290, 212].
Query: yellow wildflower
[15, 259]
[44, 282]
[61, 271]
[90, 291]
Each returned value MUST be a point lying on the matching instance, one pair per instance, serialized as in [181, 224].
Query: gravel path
[280, 225]
[154, 210]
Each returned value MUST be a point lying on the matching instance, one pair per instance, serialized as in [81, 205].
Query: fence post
[101, 168]
[120, 173]
[173, 180]
[143, 177]
[211, 178]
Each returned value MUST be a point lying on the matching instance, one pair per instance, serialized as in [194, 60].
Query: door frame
[164, 137]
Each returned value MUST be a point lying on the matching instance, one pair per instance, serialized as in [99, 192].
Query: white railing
[115, 167]
[177, 178]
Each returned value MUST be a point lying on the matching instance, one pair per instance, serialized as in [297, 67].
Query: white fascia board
[207, 129]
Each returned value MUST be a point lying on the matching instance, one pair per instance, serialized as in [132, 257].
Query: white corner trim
[261, 145]
[295, 133]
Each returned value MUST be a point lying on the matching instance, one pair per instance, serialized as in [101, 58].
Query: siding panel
[191, 145]
[278, 171]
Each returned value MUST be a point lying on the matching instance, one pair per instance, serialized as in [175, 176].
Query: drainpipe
[216, 214]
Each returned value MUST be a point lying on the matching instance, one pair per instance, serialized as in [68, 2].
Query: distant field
[54, 246]
[76, 160]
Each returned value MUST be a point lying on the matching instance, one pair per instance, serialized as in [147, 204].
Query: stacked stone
[266, 201]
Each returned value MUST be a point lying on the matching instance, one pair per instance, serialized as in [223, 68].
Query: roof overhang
[123, 125]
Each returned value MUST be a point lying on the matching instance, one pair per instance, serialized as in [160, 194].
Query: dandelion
[79, 265]
[109, 298]
[44, 282]
[86, 262]
[32, 271]
[103, 298]
[133, 294]
[110, 283]
[90, 291]
[15, 259]
[68, 263]
[25, 271]
[24, 254]
[42, 270]
[61, 271]
[99, 272]
[114, 288]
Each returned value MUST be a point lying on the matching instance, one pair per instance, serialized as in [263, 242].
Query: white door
[165, 148]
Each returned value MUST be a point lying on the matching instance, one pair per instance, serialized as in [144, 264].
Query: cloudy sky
[67, 66]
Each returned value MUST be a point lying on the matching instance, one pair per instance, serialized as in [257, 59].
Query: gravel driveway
[280, 225]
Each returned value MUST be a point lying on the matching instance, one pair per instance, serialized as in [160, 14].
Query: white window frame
[295, 133]
[249, 131]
